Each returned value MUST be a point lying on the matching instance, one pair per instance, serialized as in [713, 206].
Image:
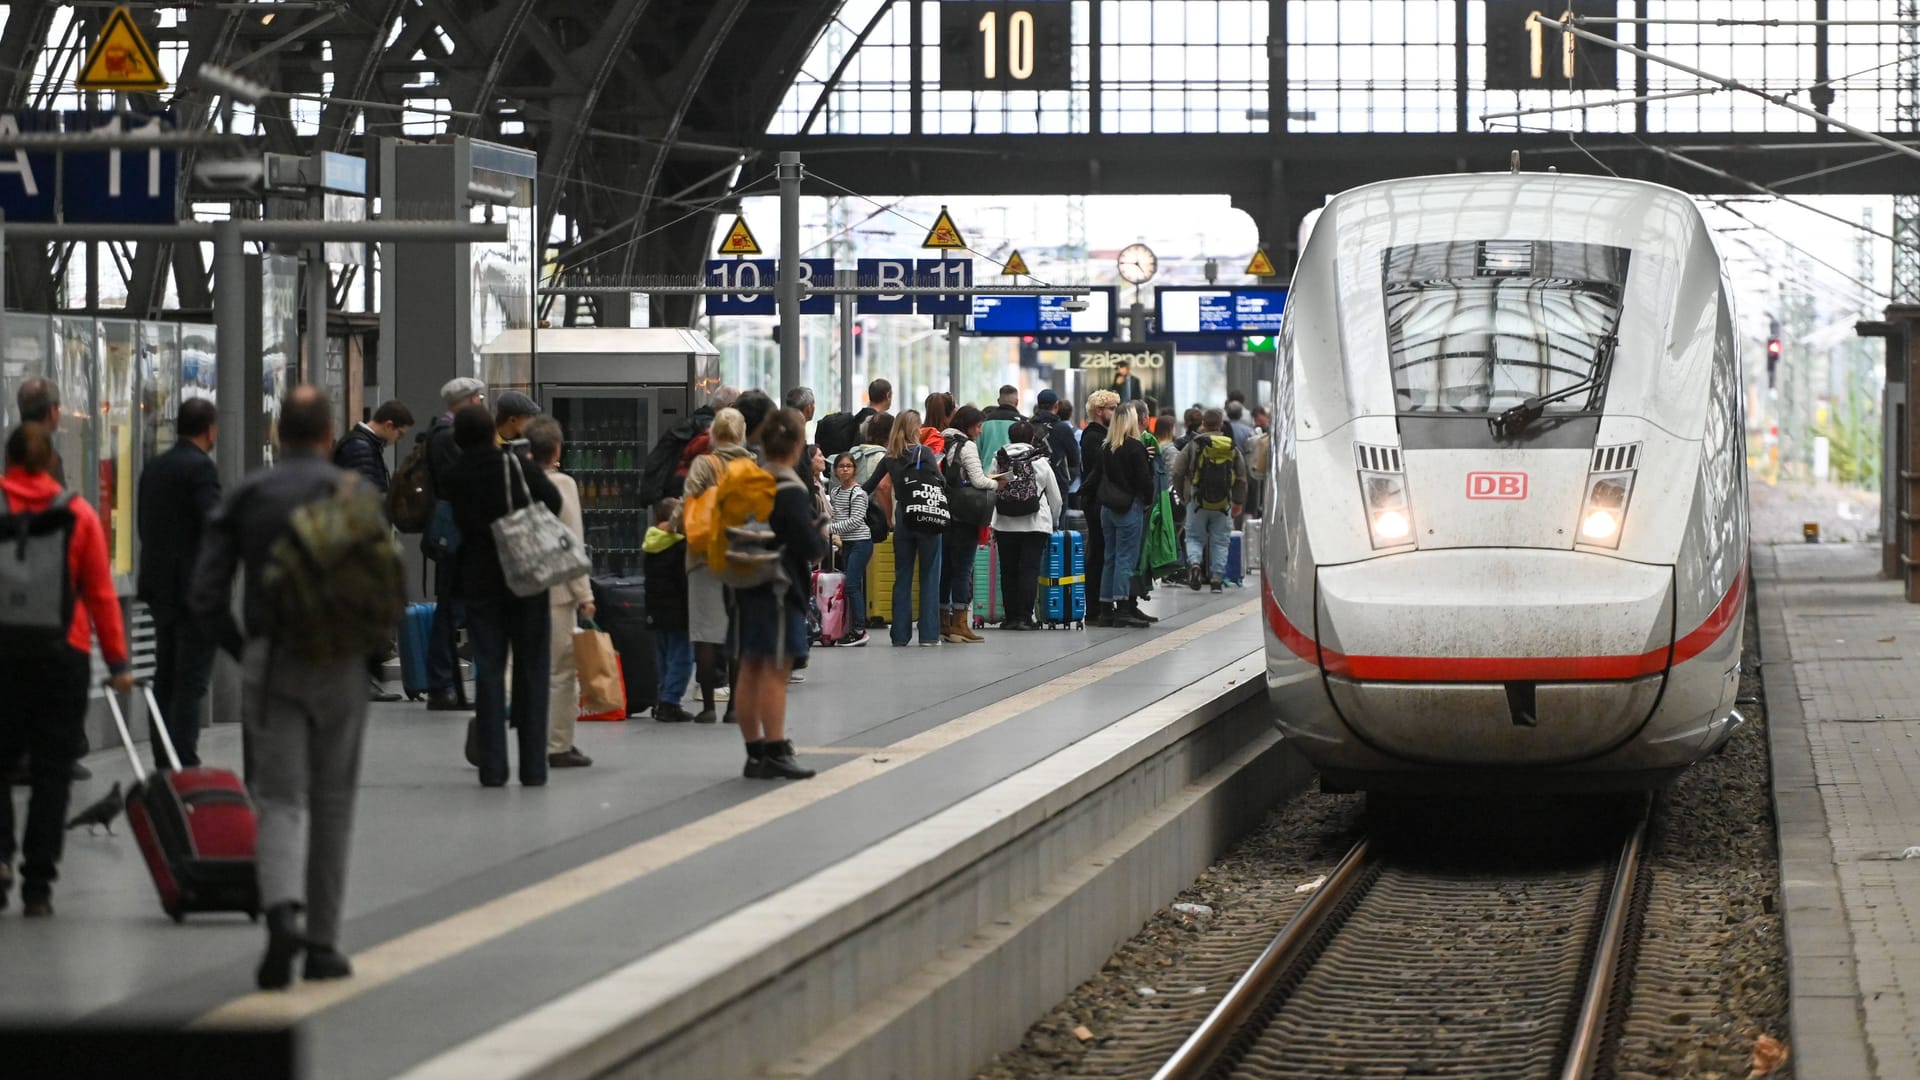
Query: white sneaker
[721, 693]
[796, 677]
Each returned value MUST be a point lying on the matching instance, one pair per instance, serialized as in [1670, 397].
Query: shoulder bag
[537, 550]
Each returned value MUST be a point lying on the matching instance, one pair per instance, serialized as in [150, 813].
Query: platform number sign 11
[1006, 45]
[1527, 53]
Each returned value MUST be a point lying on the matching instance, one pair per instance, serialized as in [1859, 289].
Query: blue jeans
[910, 547]
[497, 624]
[673, 655]
[1124, 531]
[858, 554]
[956, 567]
[1215, 528]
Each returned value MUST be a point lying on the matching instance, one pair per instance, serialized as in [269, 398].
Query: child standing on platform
[666, 562]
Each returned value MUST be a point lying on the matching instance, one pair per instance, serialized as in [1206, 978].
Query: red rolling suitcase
[196, 827]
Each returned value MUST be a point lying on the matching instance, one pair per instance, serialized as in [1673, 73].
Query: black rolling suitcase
[620, 608]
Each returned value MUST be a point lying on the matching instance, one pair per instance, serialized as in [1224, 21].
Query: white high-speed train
[1506, 535]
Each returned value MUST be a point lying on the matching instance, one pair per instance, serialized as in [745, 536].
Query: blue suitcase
[1235, 562]
[415, 628]
[1063, 589]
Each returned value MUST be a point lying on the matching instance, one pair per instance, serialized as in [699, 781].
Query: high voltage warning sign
[944, 234]
[739, 240]
[1260, 265]
[120, 58]
[1016, 266]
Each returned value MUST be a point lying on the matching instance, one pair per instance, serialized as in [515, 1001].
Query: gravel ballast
[1710, 972]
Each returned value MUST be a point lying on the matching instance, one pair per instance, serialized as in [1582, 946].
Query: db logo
[1496, 485]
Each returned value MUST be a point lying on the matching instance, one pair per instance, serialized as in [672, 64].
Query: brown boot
[963, 627]
[949, 633]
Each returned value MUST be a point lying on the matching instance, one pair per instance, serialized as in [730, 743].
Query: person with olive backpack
[1210, 477]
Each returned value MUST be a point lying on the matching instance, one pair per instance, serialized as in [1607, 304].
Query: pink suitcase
[830, 596]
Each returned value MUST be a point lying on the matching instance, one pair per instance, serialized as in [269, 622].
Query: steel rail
[1589, 1029]
[1216, 1033]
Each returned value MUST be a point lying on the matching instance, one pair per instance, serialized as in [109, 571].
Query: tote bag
[537, 550]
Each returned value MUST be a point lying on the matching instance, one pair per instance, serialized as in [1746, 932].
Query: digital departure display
[1012, 316]
[1184, 309]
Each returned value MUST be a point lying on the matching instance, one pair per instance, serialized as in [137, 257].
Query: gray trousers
[304, 725]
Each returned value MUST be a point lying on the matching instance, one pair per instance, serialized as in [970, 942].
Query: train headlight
[1605, 509]
[1389, 521]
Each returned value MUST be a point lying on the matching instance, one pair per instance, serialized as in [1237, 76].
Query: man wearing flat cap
[446, 691]
[510, 415]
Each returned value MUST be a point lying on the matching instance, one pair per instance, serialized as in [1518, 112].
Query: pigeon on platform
[100, 813]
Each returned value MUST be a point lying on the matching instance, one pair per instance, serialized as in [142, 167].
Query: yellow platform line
[431, 944]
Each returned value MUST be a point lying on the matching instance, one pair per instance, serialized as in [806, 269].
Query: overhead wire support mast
[1569, 25]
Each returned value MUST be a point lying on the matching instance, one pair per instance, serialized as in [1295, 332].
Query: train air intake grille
[1616, 458]
[1377, 458]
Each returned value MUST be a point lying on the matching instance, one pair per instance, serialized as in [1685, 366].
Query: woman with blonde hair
[1126, 487]
[706, 596]
[912, 546]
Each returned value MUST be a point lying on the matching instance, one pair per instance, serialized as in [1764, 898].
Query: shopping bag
[601, 687]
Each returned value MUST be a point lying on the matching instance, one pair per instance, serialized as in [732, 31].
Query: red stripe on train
[1507, 668]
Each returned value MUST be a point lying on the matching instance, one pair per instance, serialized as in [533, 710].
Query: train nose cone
[1481, 656]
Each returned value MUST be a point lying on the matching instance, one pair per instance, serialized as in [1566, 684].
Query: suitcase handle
[157, 725]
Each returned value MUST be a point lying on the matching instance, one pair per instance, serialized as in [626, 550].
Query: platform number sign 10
[1006, 45]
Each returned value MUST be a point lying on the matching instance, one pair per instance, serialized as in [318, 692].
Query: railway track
[1410, 961]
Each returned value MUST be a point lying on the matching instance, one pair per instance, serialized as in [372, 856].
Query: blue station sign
[113, 186]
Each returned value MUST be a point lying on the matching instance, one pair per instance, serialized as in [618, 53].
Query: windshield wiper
[1512, 422]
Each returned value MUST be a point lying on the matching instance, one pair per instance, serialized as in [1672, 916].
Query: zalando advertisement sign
[1132, 369]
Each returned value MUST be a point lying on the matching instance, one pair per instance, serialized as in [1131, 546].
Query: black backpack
[1020, 495]
[410, 492]
[1056, 457]
[922, 493]
[658, 477]
[837, 434]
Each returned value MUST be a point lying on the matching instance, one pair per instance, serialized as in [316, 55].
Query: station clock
[1137, 264]
[1006, 45]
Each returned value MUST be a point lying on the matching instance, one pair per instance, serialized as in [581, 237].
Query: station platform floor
[1840, 652]
[468, 908]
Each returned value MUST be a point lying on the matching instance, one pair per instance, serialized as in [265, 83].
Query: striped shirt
[849, 513]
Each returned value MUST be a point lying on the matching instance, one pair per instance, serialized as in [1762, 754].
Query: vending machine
[615, 390]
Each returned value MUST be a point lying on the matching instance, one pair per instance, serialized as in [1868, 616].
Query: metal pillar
[846, 279]
[230, 350]
[314, 362]
[953, 356]
[1906, 118]
[789, 173]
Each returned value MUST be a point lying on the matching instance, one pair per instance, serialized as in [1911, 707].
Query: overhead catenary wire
[1568, 25]
[739, 192]
[892, 209]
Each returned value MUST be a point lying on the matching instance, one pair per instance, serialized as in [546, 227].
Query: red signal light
[1026, 339]
[1773, 346]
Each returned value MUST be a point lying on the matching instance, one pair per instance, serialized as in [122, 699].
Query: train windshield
[1480, 326]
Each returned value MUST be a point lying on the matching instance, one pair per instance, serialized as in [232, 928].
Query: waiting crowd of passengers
[770, 535]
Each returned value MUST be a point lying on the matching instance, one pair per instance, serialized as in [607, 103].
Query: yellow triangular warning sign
[1016, 265]
[739, 239]
[944, 234]
[1260, 265]
[120, 59]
